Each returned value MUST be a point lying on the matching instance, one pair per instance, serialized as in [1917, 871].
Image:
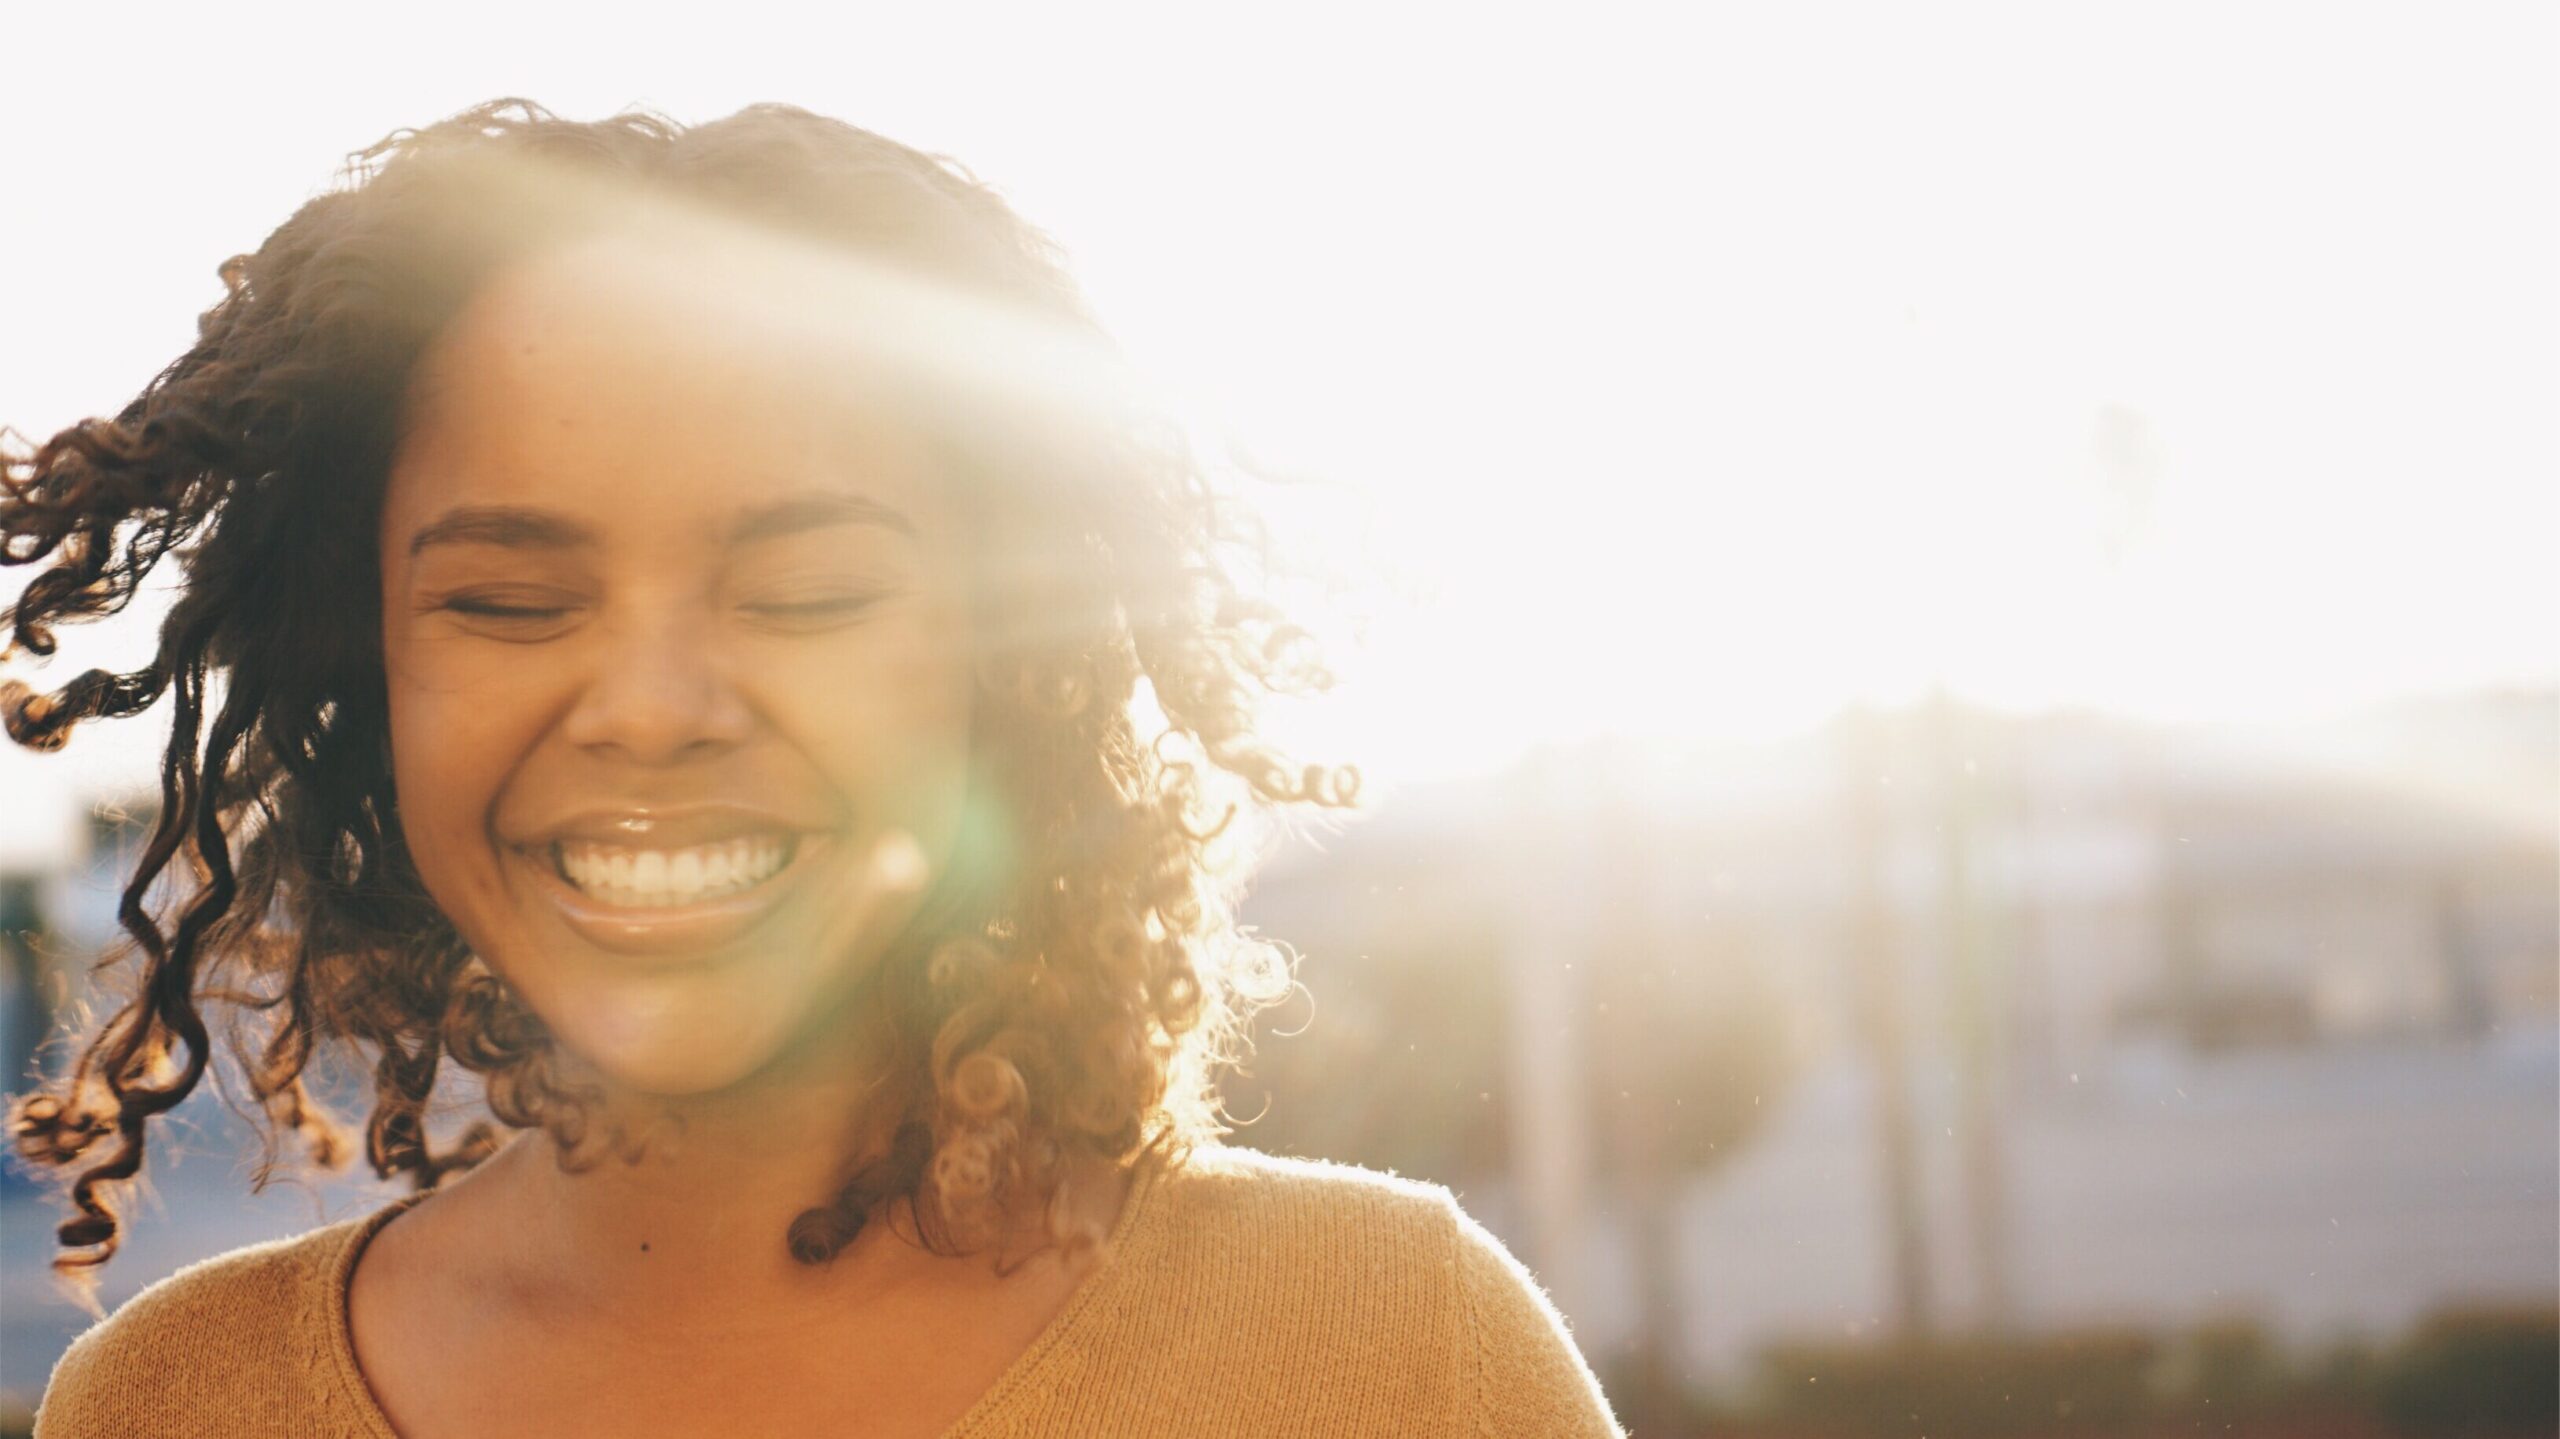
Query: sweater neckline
[341, 1268]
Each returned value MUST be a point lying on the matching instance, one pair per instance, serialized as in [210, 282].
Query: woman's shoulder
[1316, 1217]
[1351, 1264]
[1226, 1184]
[1239, 1230]
[245, 1339]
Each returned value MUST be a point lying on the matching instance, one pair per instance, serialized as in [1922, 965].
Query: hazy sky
[1691, 368]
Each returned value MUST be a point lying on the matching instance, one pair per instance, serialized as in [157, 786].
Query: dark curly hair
[1069, 994]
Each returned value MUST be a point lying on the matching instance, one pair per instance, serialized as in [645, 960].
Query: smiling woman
[684, 706]
[694, 627]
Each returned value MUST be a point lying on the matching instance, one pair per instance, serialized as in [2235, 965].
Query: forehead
[627, 380]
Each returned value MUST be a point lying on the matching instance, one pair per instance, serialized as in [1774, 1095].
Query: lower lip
[669, 931]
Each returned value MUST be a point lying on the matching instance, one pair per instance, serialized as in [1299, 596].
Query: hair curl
[1071, 994]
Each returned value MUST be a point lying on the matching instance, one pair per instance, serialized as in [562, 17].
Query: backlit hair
[1073, 983]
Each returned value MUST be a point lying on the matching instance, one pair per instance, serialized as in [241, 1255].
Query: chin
[667, 1045]
[679, 1074]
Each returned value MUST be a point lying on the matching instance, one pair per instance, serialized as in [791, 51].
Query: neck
[702, 1213]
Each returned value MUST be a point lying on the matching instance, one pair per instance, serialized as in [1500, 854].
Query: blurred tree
[1391, 1059]
[1690, 1054]
[26, 1009]
[2486, 1370]
[1400, 1062]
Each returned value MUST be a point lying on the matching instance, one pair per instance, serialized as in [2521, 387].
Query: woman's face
[680, 680]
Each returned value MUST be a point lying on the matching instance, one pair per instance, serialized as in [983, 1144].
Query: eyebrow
[510, 526]
[521, 528]
[812, 511]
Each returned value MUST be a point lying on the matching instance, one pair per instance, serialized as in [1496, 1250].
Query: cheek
[929, 701]
[453, 744]
[899, 687]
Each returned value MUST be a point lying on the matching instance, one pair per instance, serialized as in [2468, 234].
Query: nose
[658, 693]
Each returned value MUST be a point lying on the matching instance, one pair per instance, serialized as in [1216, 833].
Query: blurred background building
[1940, 1022]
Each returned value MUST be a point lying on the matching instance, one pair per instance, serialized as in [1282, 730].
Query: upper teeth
[652, 877]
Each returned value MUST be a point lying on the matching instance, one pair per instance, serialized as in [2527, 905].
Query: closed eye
[836, 605]
[491, 609]
[511, 616]
[818, 612]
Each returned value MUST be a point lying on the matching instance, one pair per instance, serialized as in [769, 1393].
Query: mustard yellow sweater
[1246, 1295]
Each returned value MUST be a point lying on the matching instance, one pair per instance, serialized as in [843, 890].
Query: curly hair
[1069, 993]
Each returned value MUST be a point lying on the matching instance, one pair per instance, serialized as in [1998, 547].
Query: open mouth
[627, 877]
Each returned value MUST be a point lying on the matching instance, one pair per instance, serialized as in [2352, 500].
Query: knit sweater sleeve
[1519, 1371]
[236, 1345]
